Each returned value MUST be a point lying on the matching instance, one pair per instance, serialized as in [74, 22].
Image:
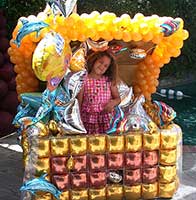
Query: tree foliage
[186, 9]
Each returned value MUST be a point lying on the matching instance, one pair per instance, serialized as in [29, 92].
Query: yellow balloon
[51, 57]
[77, 62]
[185, 34]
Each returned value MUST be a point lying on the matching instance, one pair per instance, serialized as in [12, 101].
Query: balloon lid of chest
[41, 45]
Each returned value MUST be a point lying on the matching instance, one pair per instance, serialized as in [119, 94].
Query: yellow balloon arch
[106, 26]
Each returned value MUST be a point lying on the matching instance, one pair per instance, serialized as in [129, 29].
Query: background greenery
[186, 9]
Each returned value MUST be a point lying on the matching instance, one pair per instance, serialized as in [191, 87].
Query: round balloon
[51, 57]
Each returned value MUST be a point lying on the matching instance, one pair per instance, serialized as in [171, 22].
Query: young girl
[99, 94]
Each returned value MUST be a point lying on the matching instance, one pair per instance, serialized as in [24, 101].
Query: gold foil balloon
[51, 57]
[79, 194]
[78, 61]
[43, 149]
[97, 144]
[97, 194]
[43, 129]
[70, 163]
[167, 190]
[114, 192]
[52, 125]
[150, 191]
[133, 192]
[59, 146]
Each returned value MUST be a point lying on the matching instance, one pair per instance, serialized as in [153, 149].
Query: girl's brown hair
[111, 72]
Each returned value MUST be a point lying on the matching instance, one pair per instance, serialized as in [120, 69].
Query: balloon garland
[165, 33]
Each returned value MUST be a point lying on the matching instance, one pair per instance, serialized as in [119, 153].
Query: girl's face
[101, 65]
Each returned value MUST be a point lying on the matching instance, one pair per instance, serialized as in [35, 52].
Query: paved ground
[11, 171]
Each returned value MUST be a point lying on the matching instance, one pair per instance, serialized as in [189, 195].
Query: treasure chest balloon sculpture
[139, 157]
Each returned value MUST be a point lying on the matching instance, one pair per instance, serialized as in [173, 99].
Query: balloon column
[8, 95]
[167, 34]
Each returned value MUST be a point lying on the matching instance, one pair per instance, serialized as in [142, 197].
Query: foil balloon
[116, 119]
[72, 122]
[137, 54]
[119, 119]
[134, 123]
[136, 117]
[30, 103]
[78, 61]
[170, 26]
[137, 108]
[70, 4]
[117, 49]
[27, 28]
[114, 177]
[97, 45]
[61, 103]
[51, 59]
[53, 127]
[73, 82]
[126, 95]
[65, 7]
[56, 6]
[33, 99]
[40, 184]
[165, 113]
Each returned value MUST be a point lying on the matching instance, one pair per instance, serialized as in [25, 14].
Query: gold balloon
[51, 57]
[115, 143]
[169, 138]
[59, 146]
[97, 144]
[43, 196]
[43, 129]
[167, 174]
[97, 194]
[114, 192]
[70, 163]
[153, 127]
[167, 190]
[52, 125]
[43, 149]
[79, 195]
[151, 141]
[43, 164]
[64, 195]
[150, 191]
[132, 192]
[133, 142]
[78, 60]
[168, 157]
[78, 145]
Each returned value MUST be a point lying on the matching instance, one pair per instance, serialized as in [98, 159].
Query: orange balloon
[126, 36]
[18, 68]
[185, 34]
[137, 89]
[147, 37]
[136, 36]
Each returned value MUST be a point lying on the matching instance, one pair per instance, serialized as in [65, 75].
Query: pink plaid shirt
[97, 93]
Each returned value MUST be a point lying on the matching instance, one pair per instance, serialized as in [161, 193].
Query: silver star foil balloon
[126, 94]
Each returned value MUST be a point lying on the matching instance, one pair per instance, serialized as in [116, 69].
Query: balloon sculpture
[139, 157]
[165, 33]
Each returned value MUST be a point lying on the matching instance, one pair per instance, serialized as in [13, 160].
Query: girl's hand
[109, 107]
